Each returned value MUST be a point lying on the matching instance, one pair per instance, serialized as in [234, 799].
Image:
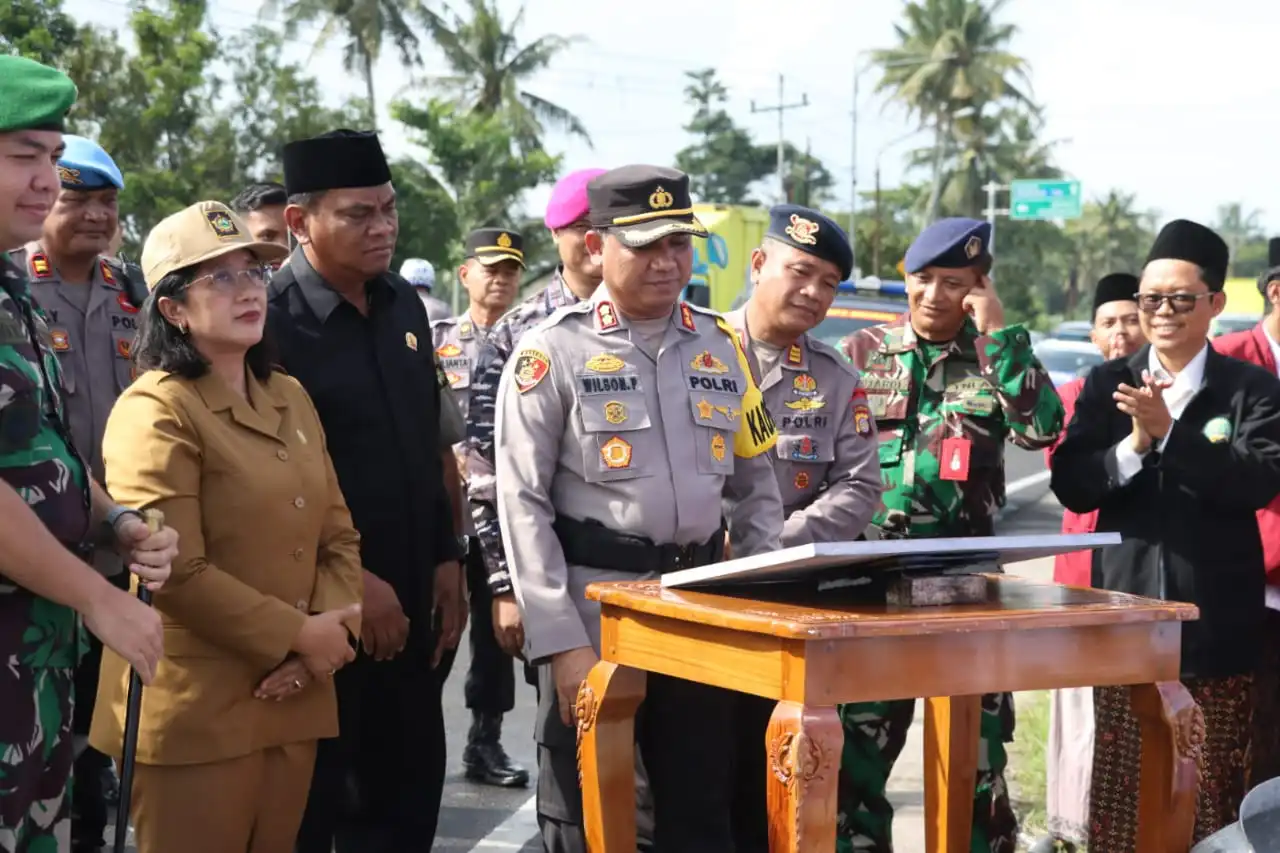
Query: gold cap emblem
[973, 247]
[803, 230]
[504, 240]
[660, 199]
[69, 176]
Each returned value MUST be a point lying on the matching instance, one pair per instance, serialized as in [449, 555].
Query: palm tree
[950, 65]
[490, 69]
[1111, 235]
[365, 24]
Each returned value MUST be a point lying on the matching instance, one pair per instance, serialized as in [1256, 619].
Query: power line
[781, 108]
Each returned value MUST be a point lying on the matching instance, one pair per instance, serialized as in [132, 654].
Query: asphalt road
[487, 820]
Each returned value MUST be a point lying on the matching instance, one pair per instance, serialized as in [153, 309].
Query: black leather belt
[590, 543]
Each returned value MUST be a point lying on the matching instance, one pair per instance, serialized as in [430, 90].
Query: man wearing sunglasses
[1177, 448]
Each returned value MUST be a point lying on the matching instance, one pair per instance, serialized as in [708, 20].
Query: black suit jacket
[1188, 517]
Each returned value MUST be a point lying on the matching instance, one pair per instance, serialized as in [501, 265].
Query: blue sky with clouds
[1169, 99]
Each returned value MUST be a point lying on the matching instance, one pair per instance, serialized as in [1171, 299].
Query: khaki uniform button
[301, 605]
[299, 502]
[282, 455]
[297, 553]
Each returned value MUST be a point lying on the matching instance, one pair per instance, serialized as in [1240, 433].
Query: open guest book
[832, 565]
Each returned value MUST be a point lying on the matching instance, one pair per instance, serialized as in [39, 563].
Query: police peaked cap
[493, 245]
[1116, 287]
[809, 231]
[1184, 240]
[952, 243]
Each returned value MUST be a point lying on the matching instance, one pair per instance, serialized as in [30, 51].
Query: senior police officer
[948, 384]
[50, 506]
[826, 464]
[92, 320]
[490, 273]
[576, 277]
[622, 424]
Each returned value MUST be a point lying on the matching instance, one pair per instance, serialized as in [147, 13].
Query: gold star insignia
[705, 409]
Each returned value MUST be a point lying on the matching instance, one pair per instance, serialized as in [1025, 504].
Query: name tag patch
[591, 384]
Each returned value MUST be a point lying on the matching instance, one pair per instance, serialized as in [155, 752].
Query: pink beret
[568, 201]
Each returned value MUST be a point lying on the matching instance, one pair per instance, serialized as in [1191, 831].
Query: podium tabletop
[1013, 604]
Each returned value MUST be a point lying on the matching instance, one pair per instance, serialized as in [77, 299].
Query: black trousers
[686, 742]
[377, 788]
[490, 687]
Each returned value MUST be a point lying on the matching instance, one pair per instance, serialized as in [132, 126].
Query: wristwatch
[117, 512]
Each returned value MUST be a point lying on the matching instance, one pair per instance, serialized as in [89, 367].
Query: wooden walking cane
[133, 712]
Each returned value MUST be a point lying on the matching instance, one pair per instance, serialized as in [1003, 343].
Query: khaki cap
[201, 232]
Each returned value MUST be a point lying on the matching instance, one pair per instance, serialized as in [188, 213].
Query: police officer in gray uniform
[92, 319]
[826, 461]
[610, 468]
[491, 275]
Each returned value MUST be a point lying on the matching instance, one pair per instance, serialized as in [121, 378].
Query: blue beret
[85, 166]
[809, 231]
[951, 244]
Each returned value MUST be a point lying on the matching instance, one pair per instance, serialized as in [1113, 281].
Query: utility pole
[992, 212]
[781, 108]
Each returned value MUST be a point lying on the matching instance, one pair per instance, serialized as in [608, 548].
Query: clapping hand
[1147, 408]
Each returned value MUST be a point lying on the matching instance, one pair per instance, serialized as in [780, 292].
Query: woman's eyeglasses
[1180, 303]
[228, 281]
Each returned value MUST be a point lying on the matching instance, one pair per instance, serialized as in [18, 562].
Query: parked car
[1067, 360]
[1072, 330]
[1226, 323]
[868, 302]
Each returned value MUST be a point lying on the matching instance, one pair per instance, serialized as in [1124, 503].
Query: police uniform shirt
[457, 342]
[826, 459]
[374, 382]
[92, 328]
[591, 427]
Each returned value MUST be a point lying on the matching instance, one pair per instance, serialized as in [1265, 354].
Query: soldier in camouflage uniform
[948, 384]
[49, 505]
[825, 462]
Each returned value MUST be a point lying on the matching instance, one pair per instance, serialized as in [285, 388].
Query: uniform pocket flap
[716, 410]
[617, 413]
[805, 448]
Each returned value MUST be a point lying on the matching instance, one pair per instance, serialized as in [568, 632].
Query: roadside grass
[1026, 773]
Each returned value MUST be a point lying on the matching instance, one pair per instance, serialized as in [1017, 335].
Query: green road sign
[1044, 200]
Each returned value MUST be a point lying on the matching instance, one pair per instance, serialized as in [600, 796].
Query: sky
[1167, 99]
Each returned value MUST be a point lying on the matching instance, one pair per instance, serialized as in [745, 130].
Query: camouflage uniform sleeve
[1031, 407]
[481, 478]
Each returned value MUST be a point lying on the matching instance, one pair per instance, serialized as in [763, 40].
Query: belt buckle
[684, 556]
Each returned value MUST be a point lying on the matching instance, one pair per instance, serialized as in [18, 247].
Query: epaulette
[710, 312]
[443, 321]
[563, 311]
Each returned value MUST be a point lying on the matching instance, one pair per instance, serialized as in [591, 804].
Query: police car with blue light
[866, 302]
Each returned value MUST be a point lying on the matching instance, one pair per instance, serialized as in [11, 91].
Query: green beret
[33, 96]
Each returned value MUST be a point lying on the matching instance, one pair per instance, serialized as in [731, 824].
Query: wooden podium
[1027, 636]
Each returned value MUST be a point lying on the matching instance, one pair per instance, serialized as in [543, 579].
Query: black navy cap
[809, 231]
[492, 245]
[1272, 272]
[1184, 240]
[337, 160]
[642, 204]
[951, 244]
[1116, 287]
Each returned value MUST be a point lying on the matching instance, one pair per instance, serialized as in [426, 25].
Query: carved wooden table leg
[804, 744]
[606, 713]
[1173, 734]
[951, 728]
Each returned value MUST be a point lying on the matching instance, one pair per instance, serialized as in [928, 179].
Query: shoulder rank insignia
[606, 317]
[449, 351]
[686, 317]
[122, 299]
[40, 267]
[605, 363]
[532, 366]
[705, 362]
[411, 341]
[795, 355]
[107, 275]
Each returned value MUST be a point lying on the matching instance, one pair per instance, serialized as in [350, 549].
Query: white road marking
[1025, 483]
[520, 827]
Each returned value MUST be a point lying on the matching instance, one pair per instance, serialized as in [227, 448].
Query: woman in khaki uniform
[263, 604]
